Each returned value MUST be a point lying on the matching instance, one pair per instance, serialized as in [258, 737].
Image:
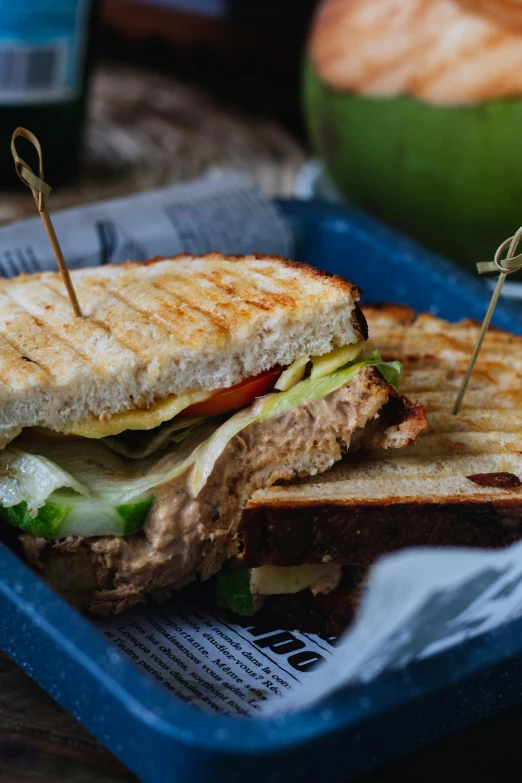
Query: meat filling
[186, 537]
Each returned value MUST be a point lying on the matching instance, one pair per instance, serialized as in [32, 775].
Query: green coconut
[450, 176]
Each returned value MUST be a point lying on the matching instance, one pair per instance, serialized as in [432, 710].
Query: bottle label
[42, 50]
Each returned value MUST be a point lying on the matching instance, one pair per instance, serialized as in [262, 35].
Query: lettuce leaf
[390, 371]
[98, 473]
[138, 444]
[30, 479]
[315, 388]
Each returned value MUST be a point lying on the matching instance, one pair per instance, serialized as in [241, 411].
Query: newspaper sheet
[416, 603]
[221, 212]
[230, 669]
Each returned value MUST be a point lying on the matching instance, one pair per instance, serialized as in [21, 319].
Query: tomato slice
[238, 396]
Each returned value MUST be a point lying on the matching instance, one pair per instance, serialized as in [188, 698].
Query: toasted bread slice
[160, 328]
[460, 484]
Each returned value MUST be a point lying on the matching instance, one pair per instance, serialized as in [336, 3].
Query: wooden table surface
[41, 743]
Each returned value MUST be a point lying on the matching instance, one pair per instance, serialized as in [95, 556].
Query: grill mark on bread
[234, 291]
[443, 400]
[218, 322]
[311, 272]
[35, 337]
[83, 335]
[495, 419]
[240, 285]
[267, 274]
[51, 372]
[82, 329]
[128, 326]
[219, 303]
[170, 311]
[173, 312]
[10, 358]
[140, 342]
[486, 382]
[415, 345]
[305, 270]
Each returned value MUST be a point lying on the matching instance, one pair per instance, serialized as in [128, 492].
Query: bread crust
[354, 532]
[313, 272]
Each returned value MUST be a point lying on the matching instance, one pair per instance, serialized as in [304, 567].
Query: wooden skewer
[506, 267]
[40, 190]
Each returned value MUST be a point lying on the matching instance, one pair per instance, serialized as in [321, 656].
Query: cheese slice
[330, 362]
[284, 580]
[292, 374]
[137, 419]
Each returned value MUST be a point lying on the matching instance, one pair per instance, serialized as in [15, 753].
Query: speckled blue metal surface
[165, 741]
[390, 267]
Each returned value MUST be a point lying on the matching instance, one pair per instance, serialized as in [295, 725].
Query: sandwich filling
[191, 529]
[92, 487]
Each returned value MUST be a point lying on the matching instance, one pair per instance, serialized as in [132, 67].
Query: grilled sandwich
[459, 485]
[132, 439]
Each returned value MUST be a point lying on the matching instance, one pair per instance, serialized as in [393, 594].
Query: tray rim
[337, 218]
[86, 648]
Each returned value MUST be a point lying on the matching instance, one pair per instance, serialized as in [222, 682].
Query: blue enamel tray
[164, 741]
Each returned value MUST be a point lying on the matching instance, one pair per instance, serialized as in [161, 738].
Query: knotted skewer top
[40, 189]
[511, 263]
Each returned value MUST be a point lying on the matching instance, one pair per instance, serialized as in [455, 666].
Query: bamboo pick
[40, 190]
[506, 267]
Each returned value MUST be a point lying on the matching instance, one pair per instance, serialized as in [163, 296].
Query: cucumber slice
[48, 520]
[233, 590]
[134, 514]
[68, 514]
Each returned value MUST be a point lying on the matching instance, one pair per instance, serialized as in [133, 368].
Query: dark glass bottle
[44, 74]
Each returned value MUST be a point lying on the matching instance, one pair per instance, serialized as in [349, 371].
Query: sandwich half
[460, 484]
[131, 439]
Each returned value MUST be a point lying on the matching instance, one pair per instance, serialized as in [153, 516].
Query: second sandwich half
[132, 439]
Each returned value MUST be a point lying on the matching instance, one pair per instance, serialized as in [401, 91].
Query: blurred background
[409, 109]
[128, 95]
